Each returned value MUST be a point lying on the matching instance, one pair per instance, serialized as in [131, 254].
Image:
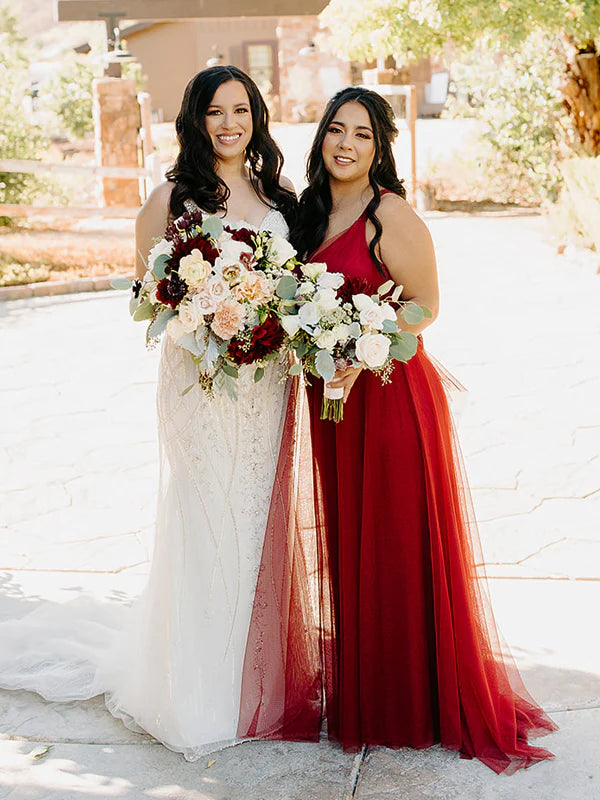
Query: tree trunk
[581, 95]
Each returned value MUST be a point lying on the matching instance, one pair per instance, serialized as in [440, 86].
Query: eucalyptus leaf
[354, 330]
[426, 312]
[385, 288]
[188, 342]
[212, 226]
[188, 389]
[230, 370]
[230, 386]
[389, 326]
[258, 374]
[160, 323]
[324, 365]
[295, 369]
[286, 287]
[212, 352]
[144, 311]
[121, 283]
[412, 314]
[405, 348]
[133, 304]
[158, 268]
[397, 293]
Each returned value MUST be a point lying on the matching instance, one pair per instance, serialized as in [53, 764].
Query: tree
[411, 29]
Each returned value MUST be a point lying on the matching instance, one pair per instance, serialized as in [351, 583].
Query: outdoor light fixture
[309, 50]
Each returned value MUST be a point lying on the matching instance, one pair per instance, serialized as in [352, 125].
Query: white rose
[309, 314]
[313, 270]
[373, 349]
[280, 250]
[175, 329]
[205, 302]
[232, 250]
[218, 288]
[371, 317]
[189, 315]
[194, 269]
[326, 300]
[162, 248]
[342, 332]
[330, 280]
[327, 340]
[361, 301]
[290, 324]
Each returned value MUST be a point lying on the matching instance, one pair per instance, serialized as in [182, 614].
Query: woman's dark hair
[315, 202]
[194, 171]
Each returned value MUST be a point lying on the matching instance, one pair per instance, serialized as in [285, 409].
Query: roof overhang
[156, 10]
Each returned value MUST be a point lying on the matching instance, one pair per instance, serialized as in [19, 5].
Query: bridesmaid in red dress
[416, 658]
[379, 623]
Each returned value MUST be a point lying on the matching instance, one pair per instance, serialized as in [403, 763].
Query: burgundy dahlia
[182, 223]
[244, 235]
[266, 338]
[171, 291]
[183, 248]
[355, 285]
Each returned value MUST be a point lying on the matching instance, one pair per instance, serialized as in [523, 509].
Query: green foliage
[410, 29]
[519, 101]
[19, 137]
[69, 96]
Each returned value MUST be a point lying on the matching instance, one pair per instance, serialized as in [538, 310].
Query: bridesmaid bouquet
[213, 289]
[334, 322]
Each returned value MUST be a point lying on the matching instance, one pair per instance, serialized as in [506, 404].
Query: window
[260, 62]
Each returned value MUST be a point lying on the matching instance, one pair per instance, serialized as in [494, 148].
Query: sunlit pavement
[519, 327]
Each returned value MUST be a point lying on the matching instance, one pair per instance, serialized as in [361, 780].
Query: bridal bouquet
[334, 322]
[213, 289]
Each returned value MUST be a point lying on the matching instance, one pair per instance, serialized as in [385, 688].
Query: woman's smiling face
[349, 145]
[228, 120]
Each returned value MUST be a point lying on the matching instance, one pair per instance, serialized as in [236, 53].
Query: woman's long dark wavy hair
[194, 171]
[315, 202]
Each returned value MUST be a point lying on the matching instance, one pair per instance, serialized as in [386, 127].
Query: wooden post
[151, 160]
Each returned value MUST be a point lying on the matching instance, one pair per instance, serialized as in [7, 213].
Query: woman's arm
[406, 249]
[150, 224]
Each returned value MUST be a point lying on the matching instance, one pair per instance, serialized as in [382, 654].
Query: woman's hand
[344, 379]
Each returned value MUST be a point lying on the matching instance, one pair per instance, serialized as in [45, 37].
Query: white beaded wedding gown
[172, 666]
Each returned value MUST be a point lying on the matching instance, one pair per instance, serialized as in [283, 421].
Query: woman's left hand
[344, 379]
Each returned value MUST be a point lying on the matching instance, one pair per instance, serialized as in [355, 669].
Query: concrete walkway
[519, 326]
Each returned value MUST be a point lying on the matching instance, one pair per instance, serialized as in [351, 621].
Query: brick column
[306, 81]
[116, 122]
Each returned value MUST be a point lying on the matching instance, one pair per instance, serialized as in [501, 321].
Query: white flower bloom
[361, 301]
[160, 248]
[194, 269]
[290, 324]
[388, 312]
[205, 302]
[371, 317]
[218, 288]
[342, 332]
[280, 250]
[326, 300]
[373, 349]
[232, 250]
[306, 288]
[313, 270]
[175, 328]
[309, 314]
[327, 340]
[330, 280]
[189, 315]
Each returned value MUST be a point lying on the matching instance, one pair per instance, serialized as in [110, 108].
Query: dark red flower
[242, 235]
[182, 223]
[183, 248]
[171, 291]
[266, 338]
[355, 285]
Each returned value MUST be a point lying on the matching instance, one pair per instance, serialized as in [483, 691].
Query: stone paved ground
[519, 326]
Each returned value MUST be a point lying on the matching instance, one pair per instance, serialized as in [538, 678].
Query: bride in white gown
[172, 666]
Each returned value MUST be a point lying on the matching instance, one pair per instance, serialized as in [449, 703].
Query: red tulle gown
[373, 613]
